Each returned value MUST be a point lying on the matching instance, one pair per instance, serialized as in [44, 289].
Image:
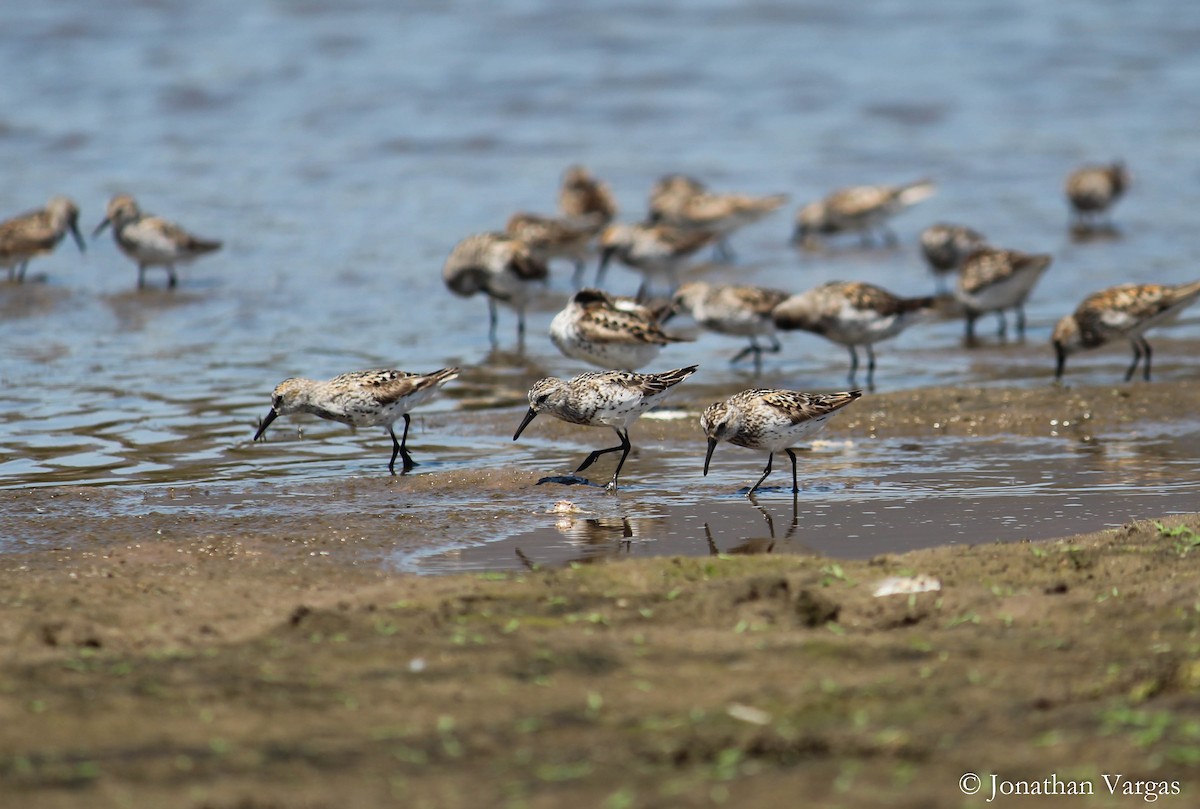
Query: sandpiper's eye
[541, 400]
[276, 401]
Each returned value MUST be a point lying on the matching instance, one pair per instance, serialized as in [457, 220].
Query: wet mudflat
[206, 648]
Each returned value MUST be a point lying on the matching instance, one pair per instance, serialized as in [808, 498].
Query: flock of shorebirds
[621, 334]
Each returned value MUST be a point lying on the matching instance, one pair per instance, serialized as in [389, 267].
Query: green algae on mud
[214, 674]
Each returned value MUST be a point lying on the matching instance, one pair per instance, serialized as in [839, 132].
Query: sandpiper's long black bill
[100, 227]
[78, 238]
[262, 428]
[712, 445]
[525, 423]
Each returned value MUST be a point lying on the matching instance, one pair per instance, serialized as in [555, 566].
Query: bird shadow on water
[749, 545]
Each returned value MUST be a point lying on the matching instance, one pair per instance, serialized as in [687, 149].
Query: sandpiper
[37, 233]
[655, 251]
[1125, 311]
[550, 238]
[1092, 190]
[602, 399]
[770, 421]
[743, 311]
[581, 196]
[945, 246]
[859, 209]
[992, 280]
[501, 267]
[853, 314]
[684, 202]
[151, 241]
[595, 328]
[374, 398]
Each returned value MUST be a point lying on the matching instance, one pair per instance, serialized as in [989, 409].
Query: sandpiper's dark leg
[1146, 352]
[141, 276]
[971, 317]
[1002, 332]
[1137, 357]
[853, 362]
[870, 366]
[750, 349]
[643, 289]
[595, 455]
[171, 279]
[767, 471]
[395, 450]
[1021, 320]
[492, 319]
[20, 271]
[521, 327]
[724, 251]
[626, 446]
[409, 463]
[795, 482]
[580, 269]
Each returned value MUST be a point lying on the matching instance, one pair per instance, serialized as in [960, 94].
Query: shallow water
[340, 150]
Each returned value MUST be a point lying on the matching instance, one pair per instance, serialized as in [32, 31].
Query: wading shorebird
[946, 246]
[151, 241]
[501, 267]
[375, 398]
[686, 203]
[853, 314]
[583, 197]
[1092, 190]
[742, 311]
[656, 251]
[1121, 312]
[770, 421]
[860, 209]
[37, 233]
[602, 399]
[609, 332]
[551, 238]
[992, 280]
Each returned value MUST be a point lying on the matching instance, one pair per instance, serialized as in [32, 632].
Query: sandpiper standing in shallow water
[373, 398]
[151, 241]
[656, 251]
[992, 280]
[1125, 311]
[581, 196]
[684, 202]
[853, 314]
[550, 238]
[859, 209]
[595, 328]
[37, 233]
[1091, 191]
[946, 246]
[743, 311]
[501, 267]
[770, 421]
[602, 399]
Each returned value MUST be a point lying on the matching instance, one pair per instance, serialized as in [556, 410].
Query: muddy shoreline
[162, 658]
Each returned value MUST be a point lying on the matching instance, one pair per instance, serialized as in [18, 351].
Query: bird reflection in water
[755, 545]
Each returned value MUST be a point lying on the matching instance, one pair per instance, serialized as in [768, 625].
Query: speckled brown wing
[990, 265]
[799, 407]
[390, 385]
[859, 201]
[601, 322]
[760, 300]
[652, 384]
[30, 232]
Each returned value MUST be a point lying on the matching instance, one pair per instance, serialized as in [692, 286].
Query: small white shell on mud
[906, 585]
[667, 415]
[747, 713]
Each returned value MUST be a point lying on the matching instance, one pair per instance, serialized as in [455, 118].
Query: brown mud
[242, 663]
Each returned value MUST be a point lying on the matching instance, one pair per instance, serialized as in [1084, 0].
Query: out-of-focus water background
[340, 149]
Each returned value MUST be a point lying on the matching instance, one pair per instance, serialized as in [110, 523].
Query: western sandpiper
[945, 246]
[1092, 190]
[602, 399]
[550, 238]
[37, 233]
[853, 314]
[582, 197]
[151, 241]
[1125, 311]
[373, 398]
[595, 328]
[992, 280]
[655, 251]
[743, 311]
[501, 267]
[770, 421]
[859, 209]
[684, 202]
